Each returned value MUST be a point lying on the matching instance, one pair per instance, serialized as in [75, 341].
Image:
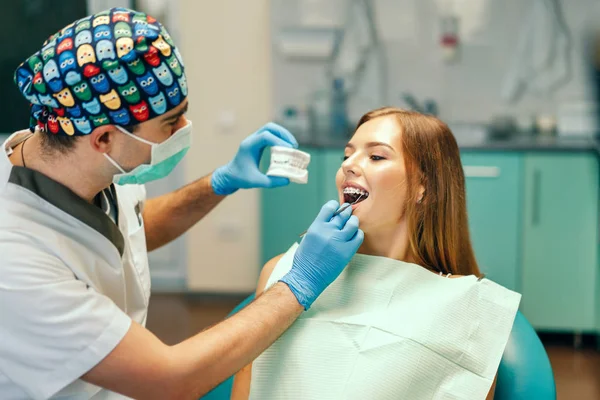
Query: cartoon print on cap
[140, 45]
[111, 100]
[38, 83]
[140, 18]
[101, 20]
[92, 107]
[122, 29]
[183, 85]
[145, 30]
[174, 95]
[65, 97]
[83, 37]
[66, 125]
[163, 46]
[136, 67]
[124, 49]
[47, 100]
[66, 62]
[81, 25]
[66, 44]
[73, 78]
[151, 56]
[163, 74]
[179, 58]
[120, 117]
[100, 83]
[140, 111]
[105, 50]
[102, 32]
[148, 84]
[120, 16]
[74, 111]
[52, 76]
[82, 125]
[118, 74]
[51, 71]
[48, 51]
[174, 65]
[52, 124]
[24, 79]
[35, 64]
[130, 93]
[85, 55]
[33, 98]
[158, 104]
[82, 92]
[91, 70]
[166, 36]
[101, 119]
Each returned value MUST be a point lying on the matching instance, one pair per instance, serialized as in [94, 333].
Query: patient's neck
[388, 241]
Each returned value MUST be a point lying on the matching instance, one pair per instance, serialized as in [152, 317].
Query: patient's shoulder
[266, 273]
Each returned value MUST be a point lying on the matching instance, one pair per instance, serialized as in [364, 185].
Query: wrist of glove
[221, 181]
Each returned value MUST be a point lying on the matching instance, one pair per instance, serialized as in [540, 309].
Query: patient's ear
[420, 194]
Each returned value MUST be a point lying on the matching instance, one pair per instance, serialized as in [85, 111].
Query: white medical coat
[71, 282]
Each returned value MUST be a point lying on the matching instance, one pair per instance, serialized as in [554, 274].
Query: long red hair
[437, 224]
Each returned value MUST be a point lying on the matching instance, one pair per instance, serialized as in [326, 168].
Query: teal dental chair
[524, 373]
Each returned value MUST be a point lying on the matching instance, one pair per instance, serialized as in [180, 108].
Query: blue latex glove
[324, 252]
[243, 172]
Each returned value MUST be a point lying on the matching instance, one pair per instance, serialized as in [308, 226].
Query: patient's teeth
[356, 191]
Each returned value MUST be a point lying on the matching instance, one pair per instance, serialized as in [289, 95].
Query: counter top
[533, 143]
[519, 143]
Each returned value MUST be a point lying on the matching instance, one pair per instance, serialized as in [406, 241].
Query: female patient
[404, 172]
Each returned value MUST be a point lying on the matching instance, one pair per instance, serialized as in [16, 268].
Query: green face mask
[165, 156]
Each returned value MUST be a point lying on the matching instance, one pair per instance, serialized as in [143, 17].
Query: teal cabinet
[332, 162]
[494, 187]
[288, 211]
[560, 242]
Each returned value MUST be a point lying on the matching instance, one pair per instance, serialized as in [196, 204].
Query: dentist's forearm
[217, 353]
[168, 216]
[142, 367]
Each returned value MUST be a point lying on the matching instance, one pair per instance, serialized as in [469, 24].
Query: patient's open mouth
[354, 195]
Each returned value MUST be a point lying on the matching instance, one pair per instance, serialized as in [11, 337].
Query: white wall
[469, 90]
[95, 6]
[226, 50]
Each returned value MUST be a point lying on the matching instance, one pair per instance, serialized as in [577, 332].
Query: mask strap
[134, 136]
[113, 162]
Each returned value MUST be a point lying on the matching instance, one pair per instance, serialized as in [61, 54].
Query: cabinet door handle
[477, 171]
[537, 186]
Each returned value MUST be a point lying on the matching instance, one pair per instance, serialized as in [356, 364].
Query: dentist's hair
[437, 223]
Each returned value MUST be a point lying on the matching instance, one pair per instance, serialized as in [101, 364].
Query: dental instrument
[341, 210]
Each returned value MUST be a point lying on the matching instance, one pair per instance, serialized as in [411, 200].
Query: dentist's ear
[102, 138]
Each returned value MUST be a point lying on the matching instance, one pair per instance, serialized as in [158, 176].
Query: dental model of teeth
[289, 163]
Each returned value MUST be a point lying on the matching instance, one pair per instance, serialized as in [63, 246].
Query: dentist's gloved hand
[324, 252]
[243, 172]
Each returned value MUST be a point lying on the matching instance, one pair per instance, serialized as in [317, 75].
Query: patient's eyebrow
[370, 144]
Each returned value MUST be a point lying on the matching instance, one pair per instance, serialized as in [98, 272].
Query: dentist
[108, 99]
